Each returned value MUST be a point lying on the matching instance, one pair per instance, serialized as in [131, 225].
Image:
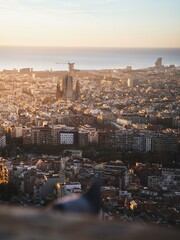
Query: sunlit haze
[94, 23]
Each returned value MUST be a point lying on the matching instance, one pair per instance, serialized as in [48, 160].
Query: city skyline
[100, 23]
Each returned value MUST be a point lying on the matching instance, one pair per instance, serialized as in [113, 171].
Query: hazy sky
[101, 23]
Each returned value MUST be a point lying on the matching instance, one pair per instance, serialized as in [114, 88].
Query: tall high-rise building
[158, 63]
[67, 91]
[67, 87]
[77, 90]
[130, 82]
[58, 92]
[71, 68]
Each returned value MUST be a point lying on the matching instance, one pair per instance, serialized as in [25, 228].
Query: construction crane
[71, 65]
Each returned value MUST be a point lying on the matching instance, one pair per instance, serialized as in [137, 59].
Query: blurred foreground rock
[31, 224]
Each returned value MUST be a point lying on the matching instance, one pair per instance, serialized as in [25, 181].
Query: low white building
[67, 138]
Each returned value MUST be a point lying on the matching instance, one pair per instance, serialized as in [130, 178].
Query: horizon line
[58, 46]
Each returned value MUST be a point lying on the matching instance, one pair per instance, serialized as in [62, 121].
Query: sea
[56, 58]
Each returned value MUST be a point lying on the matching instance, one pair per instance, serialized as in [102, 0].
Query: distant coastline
[91, 58]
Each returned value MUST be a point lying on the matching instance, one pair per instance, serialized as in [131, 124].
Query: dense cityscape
[61, 130]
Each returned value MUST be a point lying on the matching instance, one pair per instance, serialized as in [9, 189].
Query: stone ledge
[32, 224]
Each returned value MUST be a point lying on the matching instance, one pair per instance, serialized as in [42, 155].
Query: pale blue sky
[101, 23]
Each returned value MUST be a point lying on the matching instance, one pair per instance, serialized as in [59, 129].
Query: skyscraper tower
[71, 68]
[58, 92]
[158, 63]
[130, 82]
[67, 91]
[67, 87]
[77, 90]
